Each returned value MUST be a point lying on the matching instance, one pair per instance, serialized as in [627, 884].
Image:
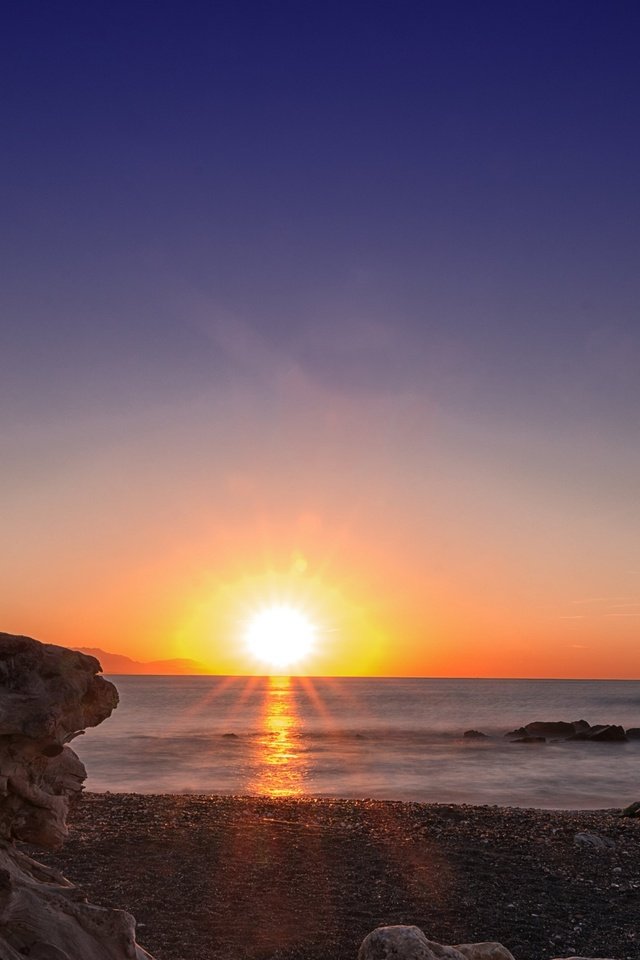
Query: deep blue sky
[466, 171]
[432, 201]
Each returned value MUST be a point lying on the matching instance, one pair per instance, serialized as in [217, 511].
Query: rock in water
[550, 728]
[49, 695]
[409, 943]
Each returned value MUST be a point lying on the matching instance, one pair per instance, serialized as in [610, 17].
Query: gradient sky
[335, 303]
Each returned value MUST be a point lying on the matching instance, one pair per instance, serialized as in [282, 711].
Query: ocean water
[398, 739]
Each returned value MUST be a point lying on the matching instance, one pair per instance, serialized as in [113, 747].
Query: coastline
[306, 879]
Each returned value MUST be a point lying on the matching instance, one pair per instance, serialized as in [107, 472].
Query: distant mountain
[118, 663]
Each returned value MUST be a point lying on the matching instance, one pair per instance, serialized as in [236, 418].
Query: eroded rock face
[48, 696]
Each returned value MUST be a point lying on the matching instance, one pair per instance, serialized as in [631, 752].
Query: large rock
[409, 943]
[550, 728]
[48, 696]
[602, 733]
[568, 730]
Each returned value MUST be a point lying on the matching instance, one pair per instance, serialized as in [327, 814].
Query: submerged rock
[528, 739]
[48, 696]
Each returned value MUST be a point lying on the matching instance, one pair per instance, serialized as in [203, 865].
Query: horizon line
[349, 676]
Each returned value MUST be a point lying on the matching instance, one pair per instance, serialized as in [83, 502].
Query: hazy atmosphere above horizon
[319, 332]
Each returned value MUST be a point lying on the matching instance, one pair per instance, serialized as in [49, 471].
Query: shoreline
[212, 877]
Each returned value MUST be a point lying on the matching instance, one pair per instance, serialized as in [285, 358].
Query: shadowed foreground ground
[224, 877]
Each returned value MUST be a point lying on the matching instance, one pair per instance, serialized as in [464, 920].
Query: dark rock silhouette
[564, 730]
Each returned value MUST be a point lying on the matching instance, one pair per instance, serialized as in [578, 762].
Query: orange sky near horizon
[418, 573]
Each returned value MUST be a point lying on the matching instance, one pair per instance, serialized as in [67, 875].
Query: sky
[326, 304]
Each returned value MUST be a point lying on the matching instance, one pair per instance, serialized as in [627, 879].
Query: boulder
[48, 696]
[608, 734]
[489, 950]
[409, 943]
[579, 725]
[602, 733]
[550, 728]
[633, 810]
[397, 942]
[633, 733]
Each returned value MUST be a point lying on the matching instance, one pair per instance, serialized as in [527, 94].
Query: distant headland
[117, 663]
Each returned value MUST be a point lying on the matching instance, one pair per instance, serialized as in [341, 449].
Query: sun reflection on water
[281, 766]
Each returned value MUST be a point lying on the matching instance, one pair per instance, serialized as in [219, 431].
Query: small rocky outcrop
[48, 696]
[549, 728]
[540, 730]
[633, 733]
[474, 735]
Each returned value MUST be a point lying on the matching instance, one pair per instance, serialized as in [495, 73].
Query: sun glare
[280, 635]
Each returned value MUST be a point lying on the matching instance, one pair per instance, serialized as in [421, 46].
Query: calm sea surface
[383, 738]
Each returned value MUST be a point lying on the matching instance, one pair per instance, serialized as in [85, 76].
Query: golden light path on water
[280, 765]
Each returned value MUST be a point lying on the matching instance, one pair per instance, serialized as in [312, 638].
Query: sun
[280, 635]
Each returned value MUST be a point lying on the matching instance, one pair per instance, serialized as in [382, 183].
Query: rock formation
[48, 696]
[540, 730]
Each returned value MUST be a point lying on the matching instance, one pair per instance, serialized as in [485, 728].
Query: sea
[383, 738]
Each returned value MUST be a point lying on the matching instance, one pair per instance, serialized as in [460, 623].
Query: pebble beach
[252, 878]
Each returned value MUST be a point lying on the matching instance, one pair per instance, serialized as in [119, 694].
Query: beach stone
[489, 950]
[410, 943]
[48, 696]
[593, 841]
[398, 941]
